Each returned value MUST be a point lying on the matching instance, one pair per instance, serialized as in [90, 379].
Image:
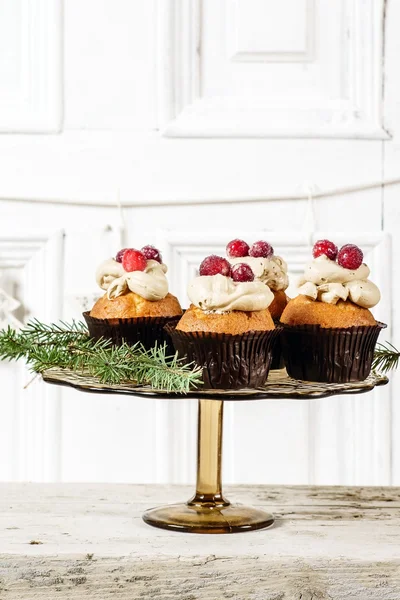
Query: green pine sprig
[68, 346]
[386, 358]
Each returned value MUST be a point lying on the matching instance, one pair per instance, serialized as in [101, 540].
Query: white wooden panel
[359, 450]
[328, 87]
[391, 214]
[31, 264]
[49, 433]
[109, 65]
[264, 30]
[109, 438]
[358, 429]
[343, 439]
[91, 439]
[30, 66]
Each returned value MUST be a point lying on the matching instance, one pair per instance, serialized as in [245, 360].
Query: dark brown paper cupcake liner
[228, 361]
[330, 355]
[277, 361]
[149, 331]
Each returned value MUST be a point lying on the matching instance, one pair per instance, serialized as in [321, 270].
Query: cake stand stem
[208, 511]
[209, 455]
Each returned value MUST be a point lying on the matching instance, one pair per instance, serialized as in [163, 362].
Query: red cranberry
[350, 257]
[133, 260]
[214, 265]
[261, 249]
[120, 254]
[242, 272]
[151, 253]
[325, 247]
[237, 248]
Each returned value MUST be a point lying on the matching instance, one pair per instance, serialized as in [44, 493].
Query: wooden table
[60, 541]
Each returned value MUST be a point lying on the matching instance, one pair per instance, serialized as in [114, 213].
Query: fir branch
[386, 358]
[70, 347]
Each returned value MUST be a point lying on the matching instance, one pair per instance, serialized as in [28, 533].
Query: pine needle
[68, 346]
[386, 358]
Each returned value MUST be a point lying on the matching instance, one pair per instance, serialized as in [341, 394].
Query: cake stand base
[208, 519]
[208, 511]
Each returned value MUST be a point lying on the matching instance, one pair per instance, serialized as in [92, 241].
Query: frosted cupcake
[137, 304]
[270, 270]
[228, 329]
[329, 331]
[267, 268]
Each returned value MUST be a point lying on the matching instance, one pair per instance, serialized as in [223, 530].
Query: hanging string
[310, 223]
[121, 220]
[351, 189]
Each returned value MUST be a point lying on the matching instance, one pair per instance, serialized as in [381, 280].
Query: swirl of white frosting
[326, 281]
[217, 293]
[151, 283]
[323, 270]
[271, 271]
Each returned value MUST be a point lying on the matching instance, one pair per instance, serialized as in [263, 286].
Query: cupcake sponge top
[235, 322]
[132, 305]
[278, 304]
[305, 311]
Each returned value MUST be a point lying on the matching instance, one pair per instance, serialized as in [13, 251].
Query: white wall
[205, 120]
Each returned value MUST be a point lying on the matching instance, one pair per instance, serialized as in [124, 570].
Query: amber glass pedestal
[209, 511]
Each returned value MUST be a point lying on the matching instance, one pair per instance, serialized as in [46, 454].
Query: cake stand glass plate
[278, 386]
[209, 511]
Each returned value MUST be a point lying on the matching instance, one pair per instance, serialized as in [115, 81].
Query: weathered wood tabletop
[89, 541]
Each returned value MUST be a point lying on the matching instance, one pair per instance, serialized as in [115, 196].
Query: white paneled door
[260, 68]
[30, 66]
[30, 267]
[187, 123]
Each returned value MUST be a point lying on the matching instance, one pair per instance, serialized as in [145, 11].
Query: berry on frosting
[215, 265]
[325, 247]
[261, 249]
[237, 249]
[350, 257]
[242, 272]
[120, 254]
[151, 253]
[133, 260]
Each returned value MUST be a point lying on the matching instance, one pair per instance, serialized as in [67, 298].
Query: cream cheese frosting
[327, 281]
[271, 271]
[217, 293]
[150, 284]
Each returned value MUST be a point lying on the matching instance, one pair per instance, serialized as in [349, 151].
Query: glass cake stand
[209, 511]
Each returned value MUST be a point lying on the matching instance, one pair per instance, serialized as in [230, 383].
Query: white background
[186, 123]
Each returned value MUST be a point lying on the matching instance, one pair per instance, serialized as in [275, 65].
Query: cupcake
[137, 304]
[228, 329]
[329, 332]
[270, 270]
